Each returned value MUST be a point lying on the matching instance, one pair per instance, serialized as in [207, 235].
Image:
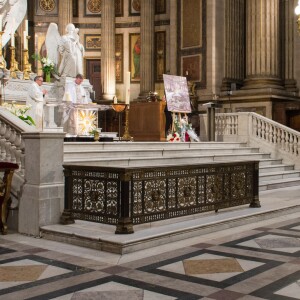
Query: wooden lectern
[147, 121]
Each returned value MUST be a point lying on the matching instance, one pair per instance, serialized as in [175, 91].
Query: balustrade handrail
[273, 136]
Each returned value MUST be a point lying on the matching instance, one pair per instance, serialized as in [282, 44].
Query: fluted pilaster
[108, 70]
[288, 45]
[263, 46]
[65, 15]
[147, 48]
[234, 43]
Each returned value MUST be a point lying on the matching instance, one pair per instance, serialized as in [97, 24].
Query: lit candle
[12, 42]
[12, 35]
[25, 41]
[127, 88]
[1, 20]
[26, 27]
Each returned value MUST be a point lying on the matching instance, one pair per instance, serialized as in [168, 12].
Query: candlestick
[26, 65]
[2, 61]
[126, 136]
[127, 88]
[13, 63]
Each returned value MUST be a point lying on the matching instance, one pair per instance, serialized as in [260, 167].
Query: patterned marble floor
[251, 262]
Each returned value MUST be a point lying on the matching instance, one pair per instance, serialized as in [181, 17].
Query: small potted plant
[96, 134]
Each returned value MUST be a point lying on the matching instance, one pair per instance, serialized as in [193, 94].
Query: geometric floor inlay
[292, 290]
[271, 243]
[211, 266]
[21, 273]
[120, 295]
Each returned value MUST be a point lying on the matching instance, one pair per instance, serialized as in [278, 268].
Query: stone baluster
[147, 48]
[2, 140]
[108, 69]
[263, 45]
[7, 143]
[18, 150]
[22, 157]
[12, 149]
[65, 15]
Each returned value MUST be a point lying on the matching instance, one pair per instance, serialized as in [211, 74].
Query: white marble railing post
[108, 69]
[43, 191]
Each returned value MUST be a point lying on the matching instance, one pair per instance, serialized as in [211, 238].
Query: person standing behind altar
[74, 94]
[35, 98]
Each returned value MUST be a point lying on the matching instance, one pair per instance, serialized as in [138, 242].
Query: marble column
[147, 48]
[288, 45]
[65, 15]
[108, 69]
[234, 43]
[262, 45]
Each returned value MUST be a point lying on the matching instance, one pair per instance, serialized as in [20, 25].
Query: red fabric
[8, 165]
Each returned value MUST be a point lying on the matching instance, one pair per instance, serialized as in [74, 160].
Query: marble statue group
[66, 48]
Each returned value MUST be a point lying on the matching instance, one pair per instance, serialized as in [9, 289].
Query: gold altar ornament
[86, 121]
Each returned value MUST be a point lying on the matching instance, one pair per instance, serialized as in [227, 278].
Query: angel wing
[14, 12]
[53, 40]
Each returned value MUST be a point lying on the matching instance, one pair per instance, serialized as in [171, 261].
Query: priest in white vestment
[74, 94]
[35, 99]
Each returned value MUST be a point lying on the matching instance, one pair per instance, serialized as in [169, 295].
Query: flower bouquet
[48, 66]
[173, 137]
[182, 130]
[19, 111]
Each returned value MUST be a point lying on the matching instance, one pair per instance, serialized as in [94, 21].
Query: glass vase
[48, 77]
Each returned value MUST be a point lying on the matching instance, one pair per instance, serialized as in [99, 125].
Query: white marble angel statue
[13, 13]
[68, 47]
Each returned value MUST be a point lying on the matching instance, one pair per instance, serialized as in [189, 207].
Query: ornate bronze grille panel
[127, 196]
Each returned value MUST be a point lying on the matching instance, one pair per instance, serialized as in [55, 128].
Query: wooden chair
[7, 169]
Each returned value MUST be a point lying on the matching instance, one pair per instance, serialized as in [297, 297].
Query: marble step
[86, 146]
[279, 175]
[274, 168]
[278, 184]
[128, 153]
[102, 237]
[159, 161]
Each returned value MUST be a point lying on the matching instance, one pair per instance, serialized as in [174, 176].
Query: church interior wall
[195, 42]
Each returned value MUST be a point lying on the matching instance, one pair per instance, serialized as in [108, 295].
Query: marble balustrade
[257, 130]
[11, 143]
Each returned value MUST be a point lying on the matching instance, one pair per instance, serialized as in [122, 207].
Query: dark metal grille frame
[126, 196]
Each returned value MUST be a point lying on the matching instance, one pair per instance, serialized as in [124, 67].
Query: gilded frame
[160, 55]
[119, 4]
[134, 57]
[119, 58]
[92, 42]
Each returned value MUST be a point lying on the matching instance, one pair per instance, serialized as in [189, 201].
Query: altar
[81, 119]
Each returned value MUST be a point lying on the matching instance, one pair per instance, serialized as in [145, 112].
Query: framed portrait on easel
[177, 94]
